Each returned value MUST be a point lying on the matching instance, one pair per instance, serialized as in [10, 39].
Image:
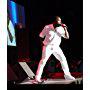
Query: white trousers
[46, 53]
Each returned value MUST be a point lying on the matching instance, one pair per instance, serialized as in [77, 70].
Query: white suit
[51, 46]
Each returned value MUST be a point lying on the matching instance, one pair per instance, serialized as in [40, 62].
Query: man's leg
[46, 52]
[60, 56]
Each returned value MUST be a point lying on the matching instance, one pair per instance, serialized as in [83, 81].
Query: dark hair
[57, 17]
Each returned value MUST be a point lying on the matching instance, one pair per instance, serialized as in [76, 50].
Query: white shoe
[39, 81]
[69, 77]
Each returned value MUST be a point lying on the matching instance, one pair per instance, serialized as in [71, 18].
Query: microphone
[64, 25]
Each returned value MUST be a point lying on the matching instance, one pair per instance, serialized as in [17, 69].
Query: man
[53, 33]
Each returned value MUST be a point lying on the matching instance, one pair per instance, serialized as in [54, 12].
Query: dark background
[38, 13]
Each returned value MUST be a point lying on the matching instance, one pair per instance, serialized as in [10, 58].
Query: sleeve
[43, 32]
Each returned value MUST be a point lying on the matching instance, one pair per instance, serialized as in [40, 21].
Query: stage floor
[53, 81]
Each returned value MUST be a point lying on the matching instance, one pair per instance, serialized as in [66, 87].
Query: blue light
[14, 12]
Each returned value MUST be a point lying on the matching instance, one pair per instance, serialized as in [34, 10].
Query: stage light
[14, 12]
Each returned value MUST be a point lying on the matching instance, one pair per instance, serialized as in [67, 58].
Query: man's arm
[62, 32]
[43, 32]
[66, 32]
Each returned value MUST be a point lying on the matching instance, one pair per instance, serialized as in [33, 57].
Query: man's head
[58, 20]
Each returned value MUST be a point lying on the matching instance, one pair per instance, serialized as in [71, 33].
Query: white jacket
[51, 36]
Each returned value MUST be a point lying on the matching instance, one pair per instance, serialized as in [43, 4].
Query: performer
[53, 33]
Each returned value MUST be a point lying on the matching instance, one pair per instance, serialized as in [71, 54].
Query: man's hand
[64, 25]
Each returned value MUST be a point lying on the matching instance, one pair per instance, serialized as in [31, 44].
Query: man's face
[58, 20]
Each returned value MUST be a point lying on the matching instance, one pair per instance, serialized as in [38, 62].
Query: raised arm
[66, 32]
[62, 31]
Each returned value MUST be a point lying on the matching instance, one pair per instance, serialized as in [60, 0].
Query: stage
[53, 81]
